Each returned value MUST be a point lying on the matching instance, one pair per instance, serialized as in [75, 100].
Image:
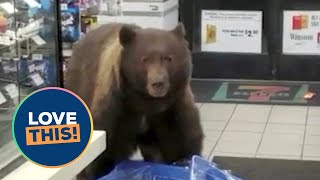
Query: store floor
[262, 142]
[260, 131]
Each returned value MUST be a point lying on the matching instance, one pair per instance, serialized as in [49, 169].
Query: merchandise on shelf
[3, 23]
[101, 7]
[163, 14]
[27, 49]
[34, 72]
[88, 23]
[9, 96]
[70, 20]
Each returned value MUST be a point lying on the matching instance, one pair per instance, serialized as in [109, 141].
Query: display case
[233, 53]
[29, 59]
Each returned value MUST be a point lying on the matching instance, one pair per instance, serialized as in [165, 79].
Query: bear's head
[155, 62]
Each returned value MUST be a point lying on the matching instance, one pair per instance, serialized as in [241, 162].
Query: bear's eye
[144, 59]
[168, 58]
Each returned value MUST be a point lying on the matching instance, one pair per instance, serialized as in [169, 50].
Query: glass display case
[29, 60]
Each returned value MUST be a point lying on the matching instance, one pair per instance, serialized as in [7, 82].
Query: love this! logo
[52, 127]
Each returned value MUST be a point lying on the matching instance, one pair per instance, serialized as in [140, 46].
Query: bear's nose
[158, 85]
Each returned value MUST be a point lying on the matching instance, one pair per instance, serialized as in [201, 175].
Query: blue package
[139, 170]
[50, 72]
[70, 24]
[202, 169]
[198, 169]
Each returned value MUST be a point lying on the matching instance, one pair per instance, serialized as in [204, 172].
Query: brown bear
[136, 83]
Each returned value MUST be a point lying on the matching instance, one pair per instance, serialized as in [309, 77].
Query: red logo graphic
[264, 93]
[300, 22]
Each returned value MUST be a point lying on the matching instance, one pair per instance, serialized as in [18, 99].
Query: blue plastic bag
[202, 169]
[139, 170]
[198, 169]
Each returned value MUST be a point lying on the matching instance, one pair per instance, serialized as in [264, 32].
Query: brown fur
[106, 71]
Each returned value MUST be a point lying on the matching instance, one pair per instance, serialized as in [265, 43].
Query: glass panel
[28, 50]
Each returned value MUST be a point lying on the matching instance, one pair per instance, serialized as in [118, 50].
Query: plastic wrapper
[197, 169]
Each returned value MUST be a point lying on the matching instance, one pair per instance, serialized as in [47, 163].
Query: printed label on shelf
[12, 90]
[2, 99]
[37, 79]
[301, 32]
[231, 31]
[38, 40]
[37, 57]
[32, 68]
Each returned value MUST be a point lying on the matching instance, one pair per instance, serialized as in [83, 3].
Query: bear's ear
[126, 35]
[179, 31]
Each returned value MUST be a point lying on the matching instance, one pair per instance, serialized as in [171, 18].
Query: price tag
[231, 31]
[38, 40]
[37, 57]
[12, 90]
[301, 35]
[32, 68]
[2, 99]
[37, 79]
[63, 6]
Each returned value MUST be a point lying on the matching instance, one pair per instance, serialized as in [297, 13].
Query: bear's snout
[158, 83]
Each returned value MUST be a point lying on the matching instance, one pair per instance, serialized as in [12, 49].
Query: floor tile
[251, 113]
[210, 140]
[313, 129]
[285, 129]
[213, 125]
[238, 142]
[207, 148]
[268, 156]
[289, 114]
[310, 158]
[314, 116]
[311, 150]
[212, 135]
[245, 155]
[312, 140]
[219, 112]
[281, 144]
[245, 126]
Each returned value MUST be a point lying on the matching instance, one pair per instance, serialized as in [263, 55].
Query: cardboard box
[163, 14]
